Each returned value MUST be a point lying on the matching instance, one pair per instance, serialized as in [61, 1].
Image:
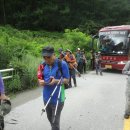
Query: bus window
[114, 42]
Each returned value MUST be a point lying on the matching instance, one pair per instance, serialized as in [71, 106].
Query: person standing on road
[92, 60]
[79, 59]
[98, 63]
[126, 71]
[71, 60]
[51, 77]
[84, 61]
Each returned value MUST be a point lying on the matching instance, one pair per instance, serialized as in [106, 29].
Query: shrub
[21, 49]
[14, 85]
[26, 68]
[77, 39]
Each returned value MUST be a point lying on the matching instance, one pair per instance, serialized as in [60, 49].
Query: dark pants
[50, 110]
[1, 118]
[92, 64]
[80, 67]
[84, 67]
[98, 68]
[72, 76]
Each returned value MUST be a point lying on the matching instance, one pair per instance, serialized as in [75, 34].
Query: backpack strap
[59, 67]
[40, 70]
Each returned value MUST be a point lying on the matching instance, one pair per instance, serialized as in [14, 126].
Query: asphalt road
[96, 104]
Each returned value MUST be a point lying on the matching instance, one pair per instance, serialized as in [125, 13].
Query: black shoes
[126, 116]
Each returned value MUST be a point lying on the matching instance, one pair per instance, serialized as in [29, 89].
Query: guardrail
[7, 70]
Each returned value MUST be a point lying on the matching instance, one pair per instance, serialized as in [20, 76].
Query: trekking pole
[76, 71]
[43, 110]
[57, 104]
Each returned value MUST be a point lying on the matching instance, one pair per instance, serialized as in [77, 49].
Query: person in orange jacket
[71, 60]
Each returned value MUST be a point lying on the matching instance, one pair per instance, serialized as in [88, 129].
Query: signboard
[114, 33]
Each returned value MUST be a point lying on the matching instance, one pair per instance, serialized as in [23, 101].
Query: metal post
[7, 70]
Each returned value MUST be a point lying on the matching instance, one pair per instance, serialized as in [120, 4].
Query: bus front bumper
[113, 66]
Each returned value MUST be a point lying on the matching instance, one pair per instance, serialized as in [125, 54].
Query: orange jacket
[71, 60]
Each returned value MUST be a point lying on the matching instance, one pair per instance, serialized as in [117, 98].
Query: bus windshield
[113, 42]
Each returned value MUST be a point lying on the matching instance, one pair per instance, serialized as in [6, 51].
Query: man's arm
[126, 69]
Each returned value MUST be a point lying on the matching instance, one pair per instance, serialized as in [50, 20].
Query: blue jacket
[54, 72]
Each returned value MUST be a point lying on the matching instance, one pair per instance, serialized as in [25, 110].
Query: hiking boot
[126, 116]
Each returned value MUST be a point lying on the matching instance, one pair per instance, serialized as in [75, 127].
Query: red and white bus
[114, 44]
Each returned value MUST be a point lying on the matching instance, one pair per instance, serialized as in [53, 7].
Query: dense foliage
[88, 15]
[22, 51]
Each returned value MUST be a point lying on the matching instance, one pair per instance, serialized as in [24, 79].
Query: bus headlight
[122, 62]
[120, 52]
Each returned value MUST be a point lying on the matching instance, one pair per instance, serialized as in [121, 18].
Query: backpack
[41, 68]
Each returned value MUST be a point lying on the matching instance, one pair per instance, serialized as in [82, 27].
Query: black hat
[48, 51]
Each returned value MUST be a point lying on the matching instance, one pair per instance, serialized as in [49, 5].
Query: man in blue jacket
[51, 76]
